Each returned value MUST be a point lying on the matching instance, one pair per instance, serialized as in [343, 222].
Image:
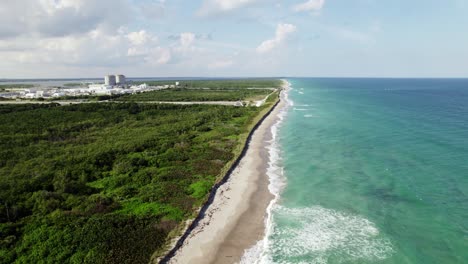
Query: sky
[233, 38]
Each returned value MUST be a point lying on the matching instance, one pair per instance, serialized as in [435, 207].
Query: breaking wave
[311, 234]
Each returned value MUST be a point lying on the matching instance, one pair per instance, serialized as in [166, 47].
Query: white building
[109, 80]
[30, 95]
[120, 79]
[143, 86]
[58, 94]
[95, 87]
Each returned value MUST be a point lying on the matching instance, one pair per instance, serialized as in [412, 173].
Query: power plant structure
[114, 84]
[113, 80]
[120, 79]
[109, 80]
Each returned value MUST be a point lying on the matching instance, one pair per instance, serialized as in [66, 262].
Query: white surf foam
[315, 233]
[318, 233]
[258, 253]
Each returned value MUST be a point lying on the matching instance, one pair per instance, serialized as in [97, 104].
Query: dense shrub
[106, 183]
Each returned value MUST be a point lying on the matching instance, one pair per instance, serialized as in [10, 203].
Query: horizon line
[227, 77]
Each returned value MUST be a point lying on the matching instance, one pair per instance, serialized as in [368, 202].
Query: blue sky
[167, 38]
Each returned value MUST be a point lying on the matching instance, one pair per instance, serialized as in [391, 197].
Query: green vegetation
[73, 84]
[221, 84]
[208, 90]
[181, 94]
[93, 98]
[108, 182]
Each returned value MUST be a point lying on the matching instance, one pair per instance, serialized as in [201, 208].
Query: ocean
[369, 171]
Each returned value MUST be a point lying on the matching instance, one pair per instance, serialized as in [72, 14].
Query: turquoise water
[376, 171]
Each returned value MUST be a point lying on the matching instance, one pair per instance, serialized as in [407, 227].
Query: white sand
[235, 220]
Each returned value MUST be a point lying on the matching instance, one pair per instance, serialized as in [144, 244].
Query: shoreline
[235, 219]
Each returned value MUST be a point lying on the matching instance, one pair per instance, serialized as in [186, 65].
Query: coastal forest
[211, 90]
[197, 95]
[109, 182]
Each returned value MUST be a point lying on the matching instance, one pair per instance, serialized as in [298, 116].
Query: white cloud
[282, 33]
[96, 48]
[69, 38]
[60, 17]
[159, 56]
[187, 39]
[309, 6]
[140, 37]
[211, 7]
[141, 43]
[106, 51]
[78, 34]
[184, 48]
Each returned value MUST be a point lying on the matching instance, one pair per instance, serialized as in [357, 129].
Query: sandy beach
[235, 221]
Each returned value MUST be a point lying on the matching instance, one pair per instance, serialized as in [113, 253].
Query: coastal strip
[232, 220]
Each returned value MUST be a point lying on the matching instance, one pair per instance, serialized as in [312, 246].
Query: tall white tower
[120, 79]
[109, 80]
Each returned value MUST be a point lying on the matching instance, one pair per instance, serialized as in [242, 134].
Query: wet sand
[235, 221]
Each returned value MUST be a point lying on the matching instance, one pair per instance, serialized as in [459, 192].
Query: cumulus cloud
[82, 33]
[140, 37]
[59, 17]
[96, 48]
[211, 7]
[282, 33]
[187, 39]
[309, 6]
[203, 37]
[159, 56]
[80, 37]
[184, 48]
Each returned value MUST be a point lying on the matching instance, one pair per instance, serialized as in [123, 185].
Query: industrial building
[113, 84]
[109, 80]
[120, 79]
[113, 80]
